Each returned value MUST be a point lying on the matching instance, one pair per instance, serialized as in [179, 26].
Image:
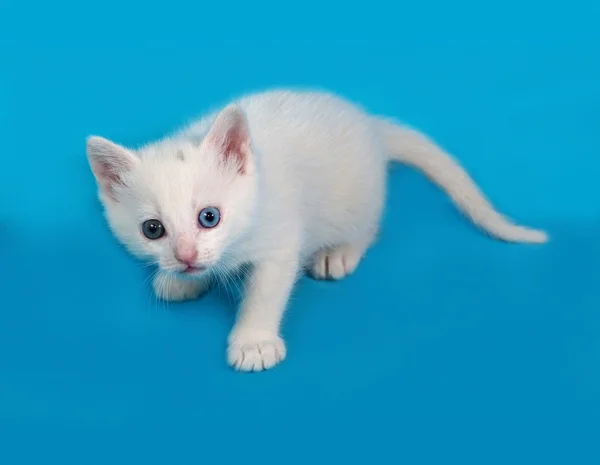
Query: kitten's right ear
[110, 163]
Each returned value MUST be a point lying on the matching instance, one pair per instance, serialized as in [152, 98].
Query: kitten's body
[299, 178]
[314, 170]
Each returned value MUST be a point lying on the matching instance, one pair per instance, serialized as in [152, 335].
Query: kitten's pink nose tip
[187, 257]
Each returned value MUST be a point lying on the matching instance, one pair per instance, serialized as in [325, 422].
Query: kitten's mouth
[194, 269]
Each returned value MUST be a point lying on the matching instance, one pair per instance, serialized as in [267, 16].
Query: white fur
[304, 190]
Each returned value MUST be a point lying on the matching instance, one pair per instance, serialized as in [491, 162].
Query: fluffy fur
[300, 181]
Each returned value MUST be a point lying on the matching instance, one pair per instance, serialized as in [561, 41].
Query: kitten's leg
[168, 286]
[338, 262]
[254, 342]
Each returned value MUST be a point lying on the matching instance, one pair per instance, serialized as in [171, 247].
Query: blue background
[444, 347]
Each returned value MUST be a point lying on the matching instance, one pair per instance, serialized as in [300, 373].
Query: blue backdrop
[444, 347]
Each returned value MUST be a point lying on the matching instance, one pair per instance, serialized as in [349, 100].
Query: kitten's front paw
[172, 289]
[251, 350]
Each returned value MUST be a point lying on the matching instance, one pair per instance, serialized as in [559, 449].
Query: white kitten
[284, 181]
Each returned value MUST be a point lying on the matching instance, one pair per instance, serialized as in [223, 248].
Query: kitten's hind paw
[336, 263]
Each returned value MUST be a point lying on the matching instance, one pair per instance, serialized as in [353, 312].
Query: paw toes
[336, 263]
[256, 356]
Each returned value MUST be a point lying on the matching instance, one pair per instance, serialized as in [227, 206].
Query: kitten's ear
[230, 137]
[110, 163]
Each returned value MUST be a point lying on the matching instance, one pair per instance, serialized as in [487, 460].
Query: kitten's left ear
[110, 163]
[230, 137]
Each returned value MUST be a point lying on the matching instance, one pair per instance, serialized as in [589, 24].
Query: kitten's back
[320, 158]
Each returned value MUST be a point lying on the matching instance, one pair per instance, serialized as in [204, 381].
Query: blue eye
[209, 217]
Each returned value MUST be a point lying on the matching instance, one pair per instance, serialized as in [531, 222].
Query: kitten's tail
[415, 149]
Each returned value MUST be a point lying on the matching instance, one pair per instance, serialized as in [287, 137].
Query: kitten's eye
[153, 229]
[209, 217]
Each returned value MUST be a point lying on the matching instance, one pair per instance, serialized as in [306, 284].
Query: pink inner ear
[235, 145]
[108, 175]
[230, 136]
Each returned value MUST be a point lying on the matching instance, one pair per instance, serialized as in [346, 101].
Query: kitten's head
[179, 203]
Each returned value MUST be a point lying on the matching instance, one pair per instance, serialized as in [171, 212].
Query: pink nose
[187, 256]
